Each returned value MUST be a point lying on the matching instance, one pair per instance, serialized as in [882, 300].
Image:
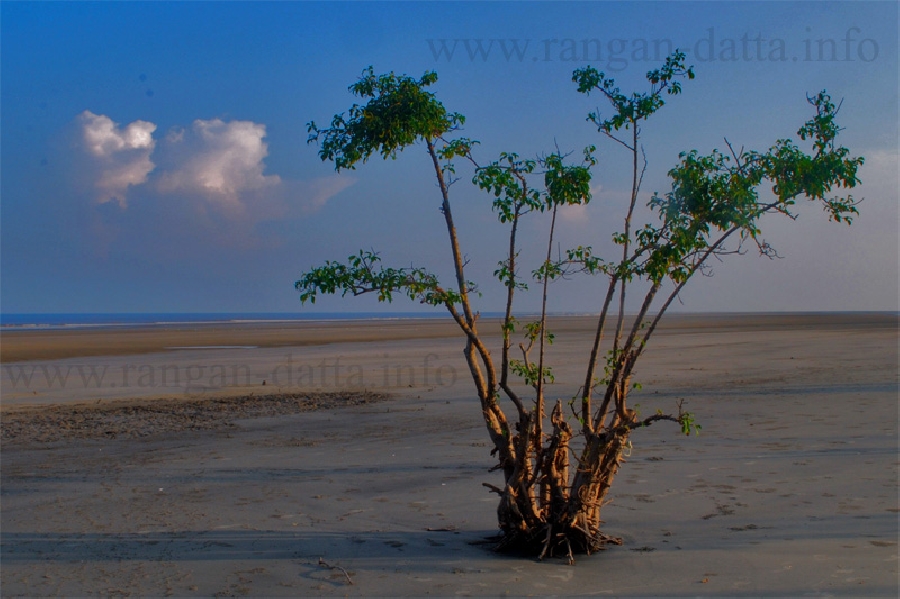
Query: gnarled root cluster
[542, 512]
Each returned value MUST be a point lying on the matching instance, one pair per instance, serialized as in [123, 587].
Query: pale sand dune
[791, 489]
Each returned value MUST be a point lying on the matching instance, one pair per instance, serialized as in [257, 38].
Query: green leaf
[362, 273]
[398, 113]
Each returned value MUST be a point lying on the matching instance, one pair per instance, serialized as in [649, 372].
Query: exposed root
[569, 547]
[325, 564]
[546, 543]
[543, 542]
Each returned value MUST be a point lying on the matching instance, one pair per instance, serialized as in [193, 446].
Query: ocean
[12, 322]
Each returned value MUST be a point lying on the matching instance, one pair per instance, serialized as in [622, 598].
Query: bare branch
[617, 140]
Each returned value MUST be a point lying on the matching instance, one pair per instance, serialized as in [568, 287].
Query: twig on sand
[325, 564]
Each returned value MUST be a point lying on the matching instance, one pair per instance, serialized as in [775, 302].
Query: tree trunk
[542, 512]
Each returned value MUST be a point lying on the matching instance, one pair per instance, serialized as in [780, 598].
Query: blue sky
[154, 155]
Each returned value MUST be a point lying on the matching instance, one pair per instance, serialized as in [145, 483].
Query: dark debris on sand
[135, 419]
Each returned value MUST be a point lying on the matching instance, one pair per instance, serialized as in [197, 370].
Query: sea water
[12, 322]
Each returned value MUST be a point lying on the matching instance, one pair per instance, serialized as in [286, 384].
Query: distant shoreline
[11, 322]
[37, 343]
[54, 321]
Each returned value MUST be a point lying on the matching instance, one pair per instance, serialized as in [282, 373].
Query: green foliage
[568, 185]
[533, 332]
[399, 113]
[717, 194]
[458, 147]
[688, 424]
[509, 326]
[514, 196]
[362, 274]
[529, 372]
[582, 259]
[548, 270]
[508, 277]
[631, 109]
[613, 360]
[506, 179]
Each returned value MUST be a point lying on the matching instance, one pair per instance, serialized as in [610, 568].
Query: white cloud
[316, 193]
[213, 170]
[121, 156]
[221, 161]
[575, 213]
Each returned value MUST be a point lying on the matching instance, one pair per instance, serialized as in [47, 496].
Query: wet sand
[37, 344]
[364, 449]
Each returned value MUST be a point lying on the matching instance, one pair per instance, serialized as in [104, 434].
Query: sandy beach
[347, 459]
